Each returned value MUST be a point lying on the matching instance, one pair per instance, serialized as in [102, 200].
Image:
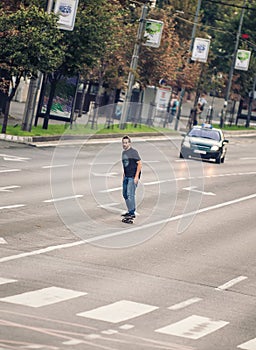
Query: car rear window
[205, 133]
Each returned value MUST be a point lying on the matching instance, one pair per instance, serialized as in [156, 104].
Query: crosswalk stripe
[192, 327]
[249, 345]
[42, 297]
[119, 311]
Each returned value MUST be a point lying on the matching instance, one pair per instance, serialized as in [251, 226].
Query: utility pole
[133, 66]
[193, 35]
[34, 86]
[231, 72]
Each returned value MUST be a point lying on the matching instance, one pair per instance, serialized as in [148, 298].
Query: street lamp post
[193, 34]
[232, 67]
[133, 66]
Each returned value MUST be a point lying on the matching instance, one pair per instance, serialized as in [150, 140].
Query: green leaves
[30, 41]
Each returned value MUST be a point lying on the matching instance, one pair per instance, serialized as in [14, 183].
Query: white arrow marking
[14, 158]
[193, 189]
[110, 206]
[2, 240]
[105, 174]
[8, 188]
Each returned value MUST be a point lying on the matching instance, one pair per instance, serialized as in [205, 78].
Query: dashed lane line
[125, 231]
[231, 283]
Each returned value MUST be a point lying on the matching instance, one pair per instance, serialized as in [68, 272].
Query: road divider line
[120, 233]
[184, 304]
[231, 283]
[54, 166]
[63, 198]
[9, 170]
[12, 206]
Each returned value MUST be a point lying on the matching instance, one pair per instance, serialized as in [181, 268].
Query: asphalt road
[73, 276]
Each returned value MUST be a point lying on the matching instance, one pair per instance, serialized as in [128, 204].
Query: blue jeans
[129, 188]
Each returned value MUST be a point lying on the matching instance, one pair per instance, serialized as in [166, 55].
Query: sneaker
[128, 215]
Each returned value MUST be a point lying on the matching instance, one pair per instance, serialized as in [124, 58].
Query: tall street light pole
[193, 35]
[231, 72]
[133, 66]
[34, 86]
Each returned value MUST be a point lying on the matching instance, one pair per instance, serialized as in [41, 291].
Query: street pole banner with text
[163, 96]
[200, 50]
[242, 59]
[153, 32]
[66, 9]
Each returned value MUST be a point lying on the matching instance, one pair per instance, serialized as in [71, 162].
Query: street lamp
[232, 67]
[133, 66]
[193, 34]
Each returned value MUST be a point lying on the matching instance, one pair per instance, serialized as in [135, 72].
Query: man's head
[126, 141]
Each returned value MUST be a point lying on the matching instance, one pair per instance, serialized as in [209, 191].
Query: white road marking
[14, 158]
[111, 190]
[192, 327]
[231, 283]
[12, 206]
[193, 189]
[62, 198]
[248, 158]
[184, 304]
[126, 327]
[54, 166]
[125, 231]
[118, 312]
[109, 331]
[73, 342]
[105, 174]
[249, 345]
[182, 179]
[8, 188]
[110, 206]
[2, 241]
[42, 297]
[9, 170]
[6, 280]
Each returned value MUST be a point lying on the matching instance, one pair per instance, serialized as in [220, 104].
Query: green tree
[29, 43]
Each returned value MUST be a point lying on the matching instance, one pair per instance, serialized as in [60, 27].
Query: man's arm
[139, 167]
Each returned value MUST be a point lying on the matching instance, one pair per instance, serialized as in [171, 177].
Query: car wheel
[181, 155]
[222, 160]
[218, 159]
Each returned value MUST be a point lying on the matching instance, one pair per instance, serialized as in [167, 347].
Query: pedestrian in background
[173, 107]
[132, 165]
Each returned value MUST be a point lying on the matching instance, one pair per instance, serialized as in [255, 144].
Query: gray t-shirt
[129, 160]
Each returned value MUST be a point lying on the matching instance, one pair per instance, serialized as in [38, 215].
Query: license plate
[199, 151]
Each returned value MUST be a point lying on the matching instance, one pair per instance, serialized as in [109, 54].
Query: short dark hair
[126, 137]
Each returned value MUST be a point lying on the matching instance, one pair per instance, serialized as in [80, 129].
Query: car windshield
[205, 133]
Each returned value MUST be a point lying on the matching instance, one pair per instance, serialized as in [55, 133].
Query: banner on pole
[242, 59]
[153, 32]
[66, 9]
[200, 50]
[162, 99]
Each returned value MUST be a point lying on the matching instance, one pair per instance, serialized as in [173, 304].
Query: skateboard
[128, 220]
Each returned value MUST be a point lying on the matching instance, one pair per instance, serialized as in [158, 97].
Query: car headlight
[186, 144]
[215, 148]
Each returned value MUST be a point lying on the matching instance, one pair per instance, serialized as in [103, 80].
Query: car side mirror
[226, 141]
